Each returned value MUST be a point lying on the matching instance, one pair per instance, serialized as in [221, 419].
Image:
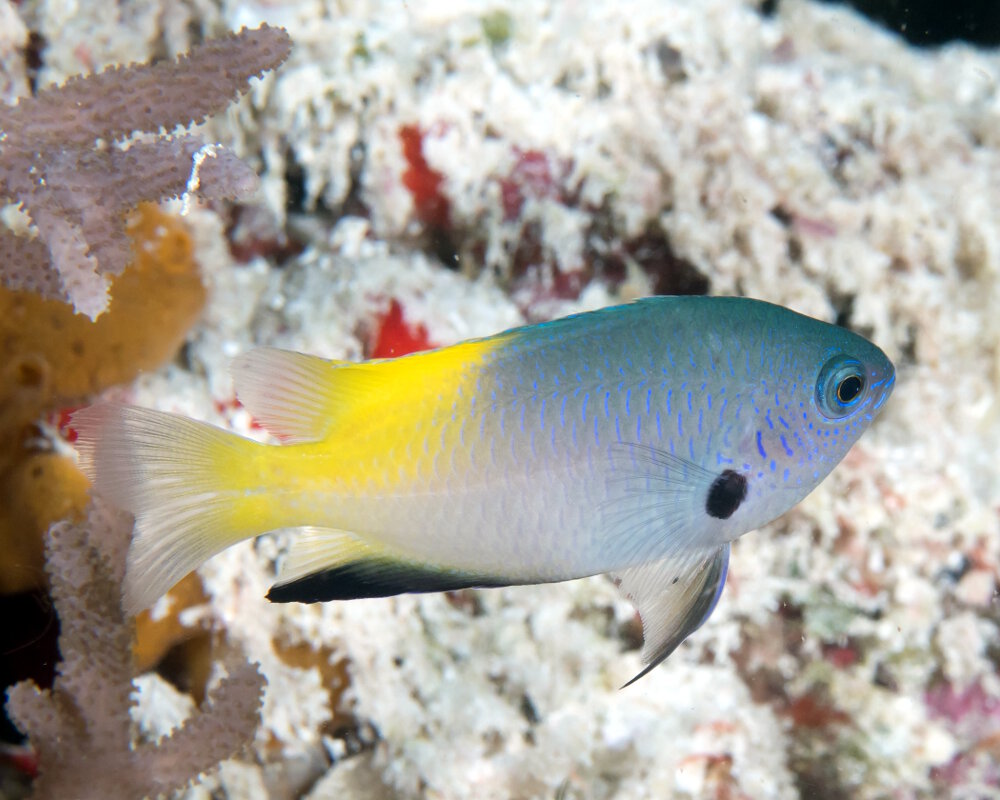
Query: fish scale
[637, 441]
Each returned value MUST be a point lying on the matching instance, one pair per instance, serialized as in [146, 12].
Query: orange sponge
[51, 358]
[154, 303]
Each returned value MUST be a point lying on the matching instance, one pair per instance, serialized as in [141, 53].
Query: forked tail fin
[189, 485]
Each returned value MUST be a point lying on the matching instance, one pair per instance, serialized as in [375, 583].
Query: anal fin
[333, 565]
[674, 597]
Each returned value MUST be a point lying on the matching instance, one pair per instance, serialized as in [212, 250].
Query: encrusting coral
[81, 729]
[69, 156]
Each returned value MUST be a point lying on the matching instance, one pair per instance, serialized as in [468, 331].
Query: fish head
[821, 390]
[851, 380]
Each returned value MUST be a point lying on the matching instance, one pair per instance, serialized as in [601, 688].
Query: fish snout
[883, 381]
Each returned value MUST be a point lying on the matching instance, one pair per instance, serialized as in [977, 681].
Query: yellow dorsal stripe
[374, 427]
[301, 398]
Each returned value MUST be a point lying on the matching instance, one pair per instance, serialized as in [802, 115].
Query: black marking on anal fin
[372, 578]
[726, 494]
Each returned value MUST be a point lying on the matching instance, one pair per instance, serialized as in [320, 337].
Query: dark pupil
[848, 389]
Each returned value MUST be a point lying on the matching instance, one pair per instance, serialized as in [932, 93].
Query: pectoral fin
[656, 503]
[674, 597]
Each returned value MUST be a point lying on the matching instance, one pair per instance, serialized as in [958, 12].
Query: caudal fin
[184, 481]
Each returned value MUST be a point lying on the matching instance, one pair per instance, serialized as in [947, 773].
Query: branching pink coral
[70, 157]
[81, 728]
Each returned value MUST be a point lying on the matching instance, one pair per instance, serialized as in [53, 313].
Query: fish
[637, 441]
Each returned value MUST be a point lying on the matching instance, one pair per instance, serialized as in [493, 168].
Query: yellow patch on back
[448, 372]
[402, 430]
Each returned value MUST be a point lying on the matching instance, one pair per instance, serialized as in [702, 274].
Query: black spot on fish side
[726, 494]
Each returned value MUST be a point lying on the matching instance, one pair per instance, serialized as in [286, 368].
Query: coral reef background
[437, 170]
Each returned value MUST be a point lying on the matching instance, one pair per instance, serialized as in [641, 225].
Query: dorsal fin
[674, 597]
[298, 397]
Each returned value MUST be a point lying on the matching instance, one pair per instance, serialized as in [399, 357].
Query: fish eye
[849, 388]
[840, 387]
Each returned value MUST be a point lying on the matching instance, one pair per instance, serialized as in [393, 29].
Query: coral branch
[67, 156]
[81, 728]
[229, 719]
[119, 101]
